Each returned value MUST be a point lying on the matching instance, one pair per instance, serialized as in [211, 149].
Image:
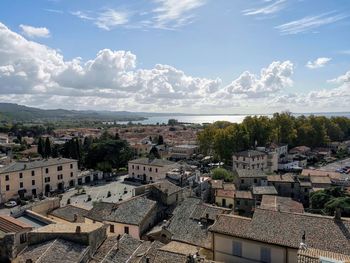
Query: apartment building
[149, 170]
[250, 160]
[184, 151]
[275, 236]
[31, 178]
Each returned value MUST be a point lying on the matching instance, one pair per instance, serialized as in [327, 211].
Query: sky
[188, 56]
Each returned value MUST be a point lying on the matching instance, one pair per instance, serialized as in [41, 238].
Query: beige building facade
[31, 178]
[149, 170]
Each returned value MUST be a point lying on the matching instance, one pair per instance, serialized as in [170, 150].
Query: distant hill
[15, 112]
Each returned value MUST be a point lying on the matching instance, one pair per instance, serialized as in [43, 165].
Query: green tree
[222, 174]
[47, 150]
[41, 147]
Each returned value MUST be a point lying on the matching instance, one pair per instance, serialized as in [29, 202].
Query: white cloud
[273, 79]
[310, 23]
[174, 13]
[36, 75]
[272, 8]
[318, 63]
[106, 20]
[33, 32]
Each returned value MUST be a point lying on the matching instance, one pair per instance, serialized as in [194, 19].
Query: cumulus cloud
[318, 63]
[33, 32]
[274, 78]
[36, 75]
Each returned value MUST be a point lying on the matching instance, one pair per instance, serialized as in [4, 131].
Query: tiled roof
[229, 186]
[225, 193]
[264, 190]
[9, 224]
[311, 255]
[131, 211]
[244, 195]
[216, 183]
[67, 212]
[203, 210]
[244, 173]
[185, 229]
[279, 203]
[154, 162]
[320, 180]
[286, 229]
[283, 178]
[300, 149]
[57, 250]
[250, 153]
[19, 166]
[318, 173]
[166, 186]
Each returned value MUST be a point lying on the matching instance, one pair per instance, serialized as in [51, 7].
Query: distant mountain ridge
[16, 112]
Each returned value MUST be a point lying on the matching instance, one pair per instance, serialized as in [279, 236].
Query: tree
[160, 140]
[47, 150]
[154, 153]
[222, 174]
[41, 147]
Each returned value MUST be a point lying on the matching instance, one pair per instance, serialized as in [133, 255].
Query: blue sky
[215, 50]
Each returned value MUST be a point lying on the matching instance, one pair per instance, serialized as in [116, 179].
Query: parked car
[10, 204]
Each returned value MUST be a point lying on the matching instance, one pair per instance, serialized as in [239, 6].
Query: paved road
[99, 192]
[336, 165]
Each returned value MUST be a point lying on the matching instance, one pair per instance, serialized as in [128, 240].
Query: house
[225, 197]
[311, 255]
[260, 191]
[13, 237]
[281, 149]
[244, 203]
[31, 178]
[190, 221]
[142, 149]
[249, 178]
[282, 204]
[67, 243]
[250, 160]
[183, 152]
[285, 184]
[133, 216]
[69, 214]
[149, 170]
[274, 236]
[304, 150]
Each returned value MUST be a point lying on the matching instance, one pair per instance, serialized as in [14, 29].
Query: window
[292, 186]
[47, 170]
[33, 182]
[111, 228]
[137, 167]
[151, 178]
[7, 178]
[47, 179]
[242, 181]
[126, 229]
[255, 181]
[237, 249]
[144, 168]
[20, 175]
[33, 173]
[60, 176]
[238, 202]
[23, 238]
[132, 166]
[150, 169]
[265, 255]
[7, 188]
[71, 166]
[21, 185]
[59, 168]
[305, 190]
[156, 170]
[71, 174]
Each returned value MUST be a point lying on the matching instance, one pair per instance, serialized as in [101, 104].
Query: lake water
[199, 119]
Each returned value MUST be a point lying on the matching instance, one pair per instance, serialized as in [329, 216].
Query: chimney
[303, 245]
[148, 260]
[75, 218]
[337, 214]
[78, 229]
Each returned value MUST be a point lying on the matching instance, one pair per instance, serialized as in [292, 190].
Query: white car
[10, 204]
